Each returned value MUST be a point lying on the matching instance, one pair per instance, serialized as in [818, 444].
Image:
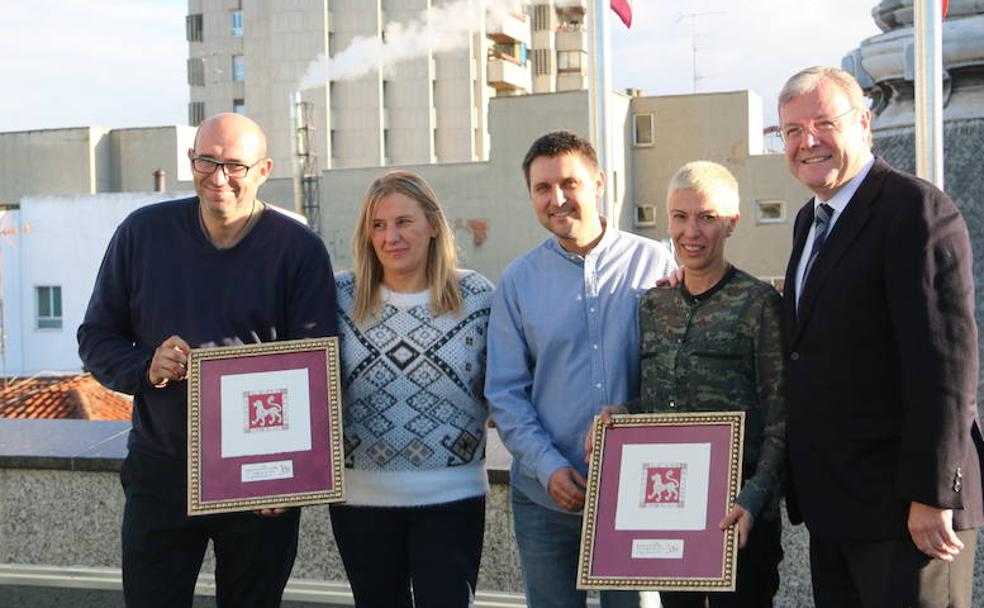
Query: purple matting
[703, 555]
[220, 477]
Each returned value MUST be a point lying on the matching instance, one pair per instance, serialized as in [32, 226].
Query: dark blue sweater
[162, 277]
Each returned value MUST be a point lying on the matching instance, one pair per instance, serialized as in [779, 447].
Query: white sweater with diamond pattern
[414, 411]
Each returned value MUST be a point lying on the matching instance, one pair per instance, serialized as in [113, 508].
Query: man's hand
[270, 512]
[170, 362]
[673, 279]
[932, 531]
[744, 520]
[605, 419]
[566, 488]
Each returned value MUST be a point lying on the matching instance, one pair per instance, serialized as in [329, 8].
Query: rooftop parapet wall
[62, 506]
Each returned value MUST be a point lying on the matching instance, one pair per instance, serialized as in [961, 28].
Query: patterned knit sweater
[413, 409]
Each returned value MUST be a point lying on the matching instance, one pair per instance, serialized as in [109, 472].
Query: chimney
[160, 180]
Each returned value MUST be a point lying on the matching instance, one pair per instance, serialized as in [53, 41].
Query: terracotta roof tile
[77, 396]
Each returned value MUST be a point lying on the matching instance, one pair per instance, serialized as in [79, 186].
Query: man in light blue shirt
[563, 342]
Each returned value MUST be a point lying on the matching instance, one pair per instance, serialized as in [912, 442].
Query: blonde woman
[413, 357]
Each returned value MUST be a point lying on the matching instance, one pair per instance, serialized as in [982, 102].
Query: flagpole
[928, 33]
[600, 110]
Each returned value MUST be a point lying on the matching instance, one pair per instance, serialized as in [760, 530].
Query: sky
[121, 63]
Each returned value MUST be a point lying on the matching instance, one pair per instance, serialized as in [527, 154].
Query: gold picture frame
[272, 413]
[645, 525]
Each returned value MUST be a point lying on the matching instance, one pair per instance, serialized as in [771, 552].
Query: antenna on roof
[693, 40]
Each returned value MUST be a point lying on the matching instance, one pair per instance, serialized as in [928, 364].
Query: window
[569, 61]
[196, 72]
[239, 106]
[193, 28]
[49, 307]
[569, 24]
[196, 113]
[541, 17]
[642, 134]
[506, 50]
[334, 98]
[541, 62]
[645, 215]
[237, 24]
[770, 212]
[238, 68]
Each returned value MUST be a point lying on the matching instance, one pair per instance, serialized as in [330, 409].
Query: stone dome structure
[884, 66]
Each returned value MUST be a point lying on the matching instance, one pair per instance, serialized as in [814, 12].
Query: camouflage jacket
[721, 350]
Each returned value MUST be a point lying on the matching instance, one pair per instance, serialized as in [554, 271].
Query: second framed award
[657, 487]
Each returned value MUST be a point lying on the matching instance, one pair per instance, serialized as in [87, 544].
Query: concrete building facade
[561, 45]
[667, 131]
[90, 160]
[249, 55]
[48, 272]
[488, 204]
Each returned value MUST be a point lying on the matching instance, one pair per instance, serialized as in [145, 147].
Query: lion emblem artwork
[266, 410]
[663, 485]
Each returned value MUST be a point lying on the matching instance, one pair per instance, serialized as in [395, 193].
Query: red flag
[623, 8]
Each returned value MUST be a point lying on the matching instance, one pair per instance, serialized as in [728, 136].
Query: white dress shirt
[838, 203]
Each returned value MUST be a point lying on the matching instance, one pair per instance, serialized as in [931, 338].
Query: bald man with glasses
[220, 268]
[881, 361]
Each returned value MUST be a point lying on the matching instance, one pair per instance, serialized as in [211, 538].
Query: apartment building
[248, 56]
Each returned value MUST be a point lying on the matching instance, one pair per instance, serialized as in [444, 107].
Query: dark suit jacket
[882, 364]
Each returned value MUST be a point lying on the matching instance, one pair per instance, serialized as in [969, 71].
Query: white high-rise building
[248, 56]
[561, 43]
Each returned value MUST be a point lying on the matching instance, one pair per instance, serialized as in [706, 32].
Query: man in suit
[881, 364]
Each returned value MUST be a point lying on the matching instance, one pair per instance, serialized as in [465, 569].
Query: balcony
[572, 40]
[506, 74]
[573, 7]
[508, 28]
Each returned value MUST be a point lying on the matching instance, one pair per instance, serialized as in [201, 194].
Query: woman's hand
[604, 419]
[744, 520]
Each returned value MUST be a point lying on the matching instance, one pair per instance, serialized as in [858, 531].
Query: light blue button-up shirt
[563, 342]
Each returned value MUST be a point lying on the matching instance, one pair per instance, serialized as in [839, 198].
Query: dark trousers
[163, 548]
[758, 574]
[889, 574]
[435, 550]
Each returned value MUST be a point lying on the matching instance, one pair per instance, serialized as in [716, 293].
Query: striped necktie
[821, 224]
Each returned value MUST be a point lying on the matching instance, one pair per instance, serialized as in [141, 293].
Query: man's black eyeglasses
[207, 166]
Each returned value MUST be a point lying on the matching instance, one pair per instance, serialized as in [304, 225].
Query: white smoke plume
[443, 28]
